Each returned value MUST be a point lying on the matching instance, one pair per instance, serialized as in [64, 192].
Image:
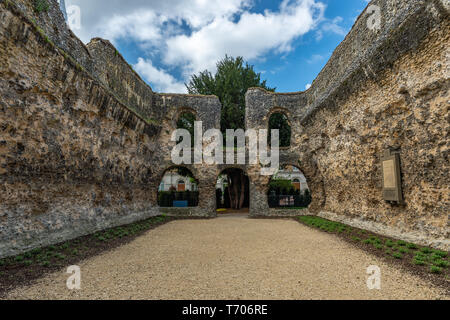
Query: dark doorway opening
[233, 191]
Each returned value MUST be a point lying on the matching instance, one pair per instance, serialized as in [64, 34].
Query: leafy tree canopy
[230, 83]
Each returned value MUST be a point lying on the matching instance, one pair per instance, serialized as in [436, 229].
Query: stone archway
[178, 188]
[288, 189]
[234, 185]
[279, 118]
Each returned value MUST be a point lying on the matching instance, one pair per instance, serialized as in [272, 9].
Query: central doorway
[233, 191]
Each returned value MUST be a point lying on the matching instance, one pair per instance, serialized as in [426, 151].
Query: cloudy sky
[166, 41]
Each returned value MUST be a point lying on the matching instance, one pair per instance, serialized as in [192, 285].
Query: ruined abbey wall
[382, 89]
[84, 142]
[75, 155]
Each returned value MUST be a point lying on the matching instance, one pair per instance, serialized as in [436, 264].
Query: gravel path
[232, 258]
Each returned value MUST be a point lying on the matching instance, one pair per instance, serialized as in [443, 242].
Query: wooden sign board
[392, 185]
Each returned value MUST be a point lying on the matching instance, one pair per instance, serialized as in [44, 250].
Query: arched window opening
[186, 121]
[288, 188]
[178, 188]
[280, 121]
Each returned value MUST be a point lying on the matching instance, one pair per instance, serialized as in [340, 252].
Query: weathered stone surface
[393, 92]
[113, 71]
[84, 142]
[73, 158]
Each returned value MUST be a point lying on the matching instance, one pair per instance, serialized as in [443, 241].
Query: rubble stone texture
[84, 142]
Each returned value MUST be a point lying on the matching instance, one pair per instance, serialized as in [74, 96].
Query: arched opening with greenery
[280, 121]
[289, 189]
[186, 121]
[178, 188]
[230, 82]
[233, 190]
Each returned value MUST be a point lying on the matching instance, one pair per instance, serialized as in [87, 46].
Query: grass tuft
[398, 255]
[41, 6]
[434, 269]
[424, 259]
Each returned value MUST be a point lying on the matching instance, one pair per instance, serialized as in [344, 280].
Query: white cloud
[315, 58]
[308, 86]
[143, 26]
[331, 26]
[214, 28]
[161, 80]
[252, 36]
[99, 17]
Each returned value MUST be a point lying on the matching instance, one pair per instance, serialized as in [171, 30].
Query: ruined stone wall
[389, 93]
[74, 156]
[51, 23]
[113, 71]
[84, 142]
[206, 109]
[99, 58]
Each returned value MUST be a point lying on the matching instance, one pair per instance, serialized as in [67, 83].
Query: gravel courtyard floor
[232, 257]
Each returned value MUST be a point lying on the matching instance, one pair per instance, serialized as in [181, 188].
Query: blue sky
[288, 41]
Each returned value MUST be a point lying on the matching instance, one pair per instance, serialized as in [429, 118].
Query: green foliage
[280, 121]
[435, 256]
[230, 83]
[426, 250]
[186, 121]
[440, 253]
[419, 262]
[378, 246]
[36, 251]
[401, 243]
[57, 254]
[46, 263]
[435, 269]
[41, 6]
[441, 263]
[325, 225]
[412, 246]
[403, 250]
[375, 240]
[281, 186]
[398, 255]
[389, 243]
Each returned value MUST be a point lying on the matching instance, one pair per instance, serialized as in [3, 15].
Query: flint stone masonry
[84, 141]
[381, 90]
